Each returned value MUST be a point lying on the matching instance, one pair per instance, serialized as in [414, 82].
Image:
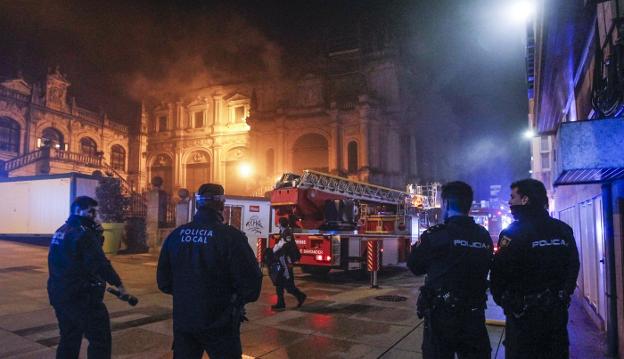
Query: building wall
[617, 194]
[580, 206]
[35, 111]
[568, 88]
[206, 128]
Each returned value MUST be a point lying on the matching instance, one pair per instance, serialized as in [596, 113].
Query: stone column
[217, 101]
[364, 112]
[183, 215]
[218, 174]
[364, 162]
[152, 217]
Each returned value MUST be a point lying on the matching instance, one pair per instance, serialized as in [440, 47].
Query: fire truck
[335, 218]
[425, 203]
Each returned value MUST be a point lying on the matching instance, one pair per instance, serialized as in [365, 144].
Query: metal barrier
[261, 245]
[372, 260]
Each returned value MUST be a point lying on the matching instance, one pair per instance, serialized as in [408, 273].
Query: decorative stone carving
[198, 156]
[162, 161]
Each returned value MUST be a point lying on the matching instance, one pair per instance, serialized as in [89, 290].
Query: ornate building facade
[348, 116]
[44, 132]
[201, 137]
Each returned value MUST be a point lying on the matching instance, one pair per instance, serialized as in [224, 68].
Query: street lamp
[245, 170]
[529, 134]
[521, 11]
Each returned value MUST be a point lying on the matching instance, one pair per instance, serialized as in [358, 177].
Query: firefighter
[456, 257]
[79, 271]
[284, 254]
[211, 271]
[534, 275]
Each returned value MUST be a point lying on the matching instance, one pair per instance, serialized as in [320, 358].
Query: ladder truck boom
[334, 217]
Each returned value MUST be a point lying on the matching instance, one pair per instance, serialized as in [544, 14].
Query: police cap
[210, 192]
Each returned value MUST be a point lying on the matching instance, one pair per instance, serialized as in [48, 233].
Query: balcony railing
[79, 158]
[26, 159]
[14, 94]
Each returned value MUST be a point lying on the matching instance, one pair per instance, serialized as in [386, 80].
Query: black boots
[300, 299]
[278, 306]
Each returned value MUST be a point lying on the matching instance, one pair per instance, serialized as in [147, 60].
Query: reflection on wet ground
[341, 318]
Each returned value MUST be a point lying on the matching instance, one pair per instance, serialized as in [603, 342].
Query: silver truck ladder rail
[354, 189]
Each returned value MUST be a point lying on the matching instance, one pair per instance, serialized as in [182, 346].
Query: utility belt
[430, 299]
[232, 317]
[519, 305]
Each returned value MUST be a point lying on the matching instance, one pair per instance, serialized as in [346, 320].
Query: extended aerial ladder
[335, 217]
[425, 203]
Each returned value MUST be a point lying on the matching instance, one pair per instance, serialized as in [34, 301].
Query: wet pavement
[342, 318]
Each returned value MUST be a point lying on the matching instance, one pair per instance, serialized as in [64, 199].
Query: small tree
[111, 202]
[136, 235]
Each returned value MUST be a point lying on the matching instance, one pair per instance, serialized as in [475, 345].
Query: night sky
[467, 56]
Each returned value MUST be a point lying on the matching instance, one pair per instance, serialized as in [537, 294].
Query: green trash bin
[113, 233]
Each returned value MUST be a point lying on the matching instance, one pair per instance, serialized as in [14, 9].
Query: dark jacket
[456, 257]
[76, 262]
[536, 252]
[204, 264]
[289, 248]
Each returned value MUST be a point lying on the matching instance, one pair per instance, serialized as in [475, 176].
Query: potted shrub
[136, 235]
[111, 212]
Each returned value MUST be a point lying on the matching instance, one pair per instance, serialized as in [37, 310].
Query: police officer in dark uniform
[79, 271]
[456, 258]
[212, 272]
[534, 275]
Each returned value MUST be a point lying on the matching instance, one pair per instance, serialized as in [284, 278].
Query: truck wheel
[316, 271]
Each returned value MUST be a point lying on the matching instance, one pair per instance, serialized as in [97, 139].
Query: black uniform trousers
[287, 284]
[187, 345]
[449, 330]
[86, 319]
[539, 334]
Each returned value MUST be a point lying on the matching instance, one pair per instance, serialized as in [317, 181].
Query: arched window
[310, 152]
[118, 158]
[270, 162]
[9, 135]
[162, 123]
[198, 119]
[51, 137]
[88, 146]
[352, 157]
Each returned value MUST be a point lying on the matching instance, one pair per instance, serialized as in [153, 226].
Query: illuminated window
[51, 137]
[88, 146]
[9, 135]
[162, 123]
[118, 158]
[198, 119]
[239, 114]
[352, 157]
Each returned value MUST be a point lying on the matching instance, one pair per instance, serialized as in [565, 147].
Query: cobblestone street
[341, 319]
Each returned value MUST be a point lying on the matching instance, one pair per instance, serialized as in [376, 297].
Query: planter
[113, 233]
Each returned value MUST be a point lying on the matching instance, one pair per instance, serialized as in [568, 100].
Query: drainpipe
[612, 325]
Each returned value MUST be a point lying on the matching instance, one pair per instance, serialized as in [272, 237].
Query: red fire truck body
[336, 217]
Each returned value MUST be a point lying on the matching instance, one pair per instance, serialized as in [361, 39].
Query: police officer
[534, 275]
[456, 258]
[286, 253]
[212, 272]
[78, 272]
